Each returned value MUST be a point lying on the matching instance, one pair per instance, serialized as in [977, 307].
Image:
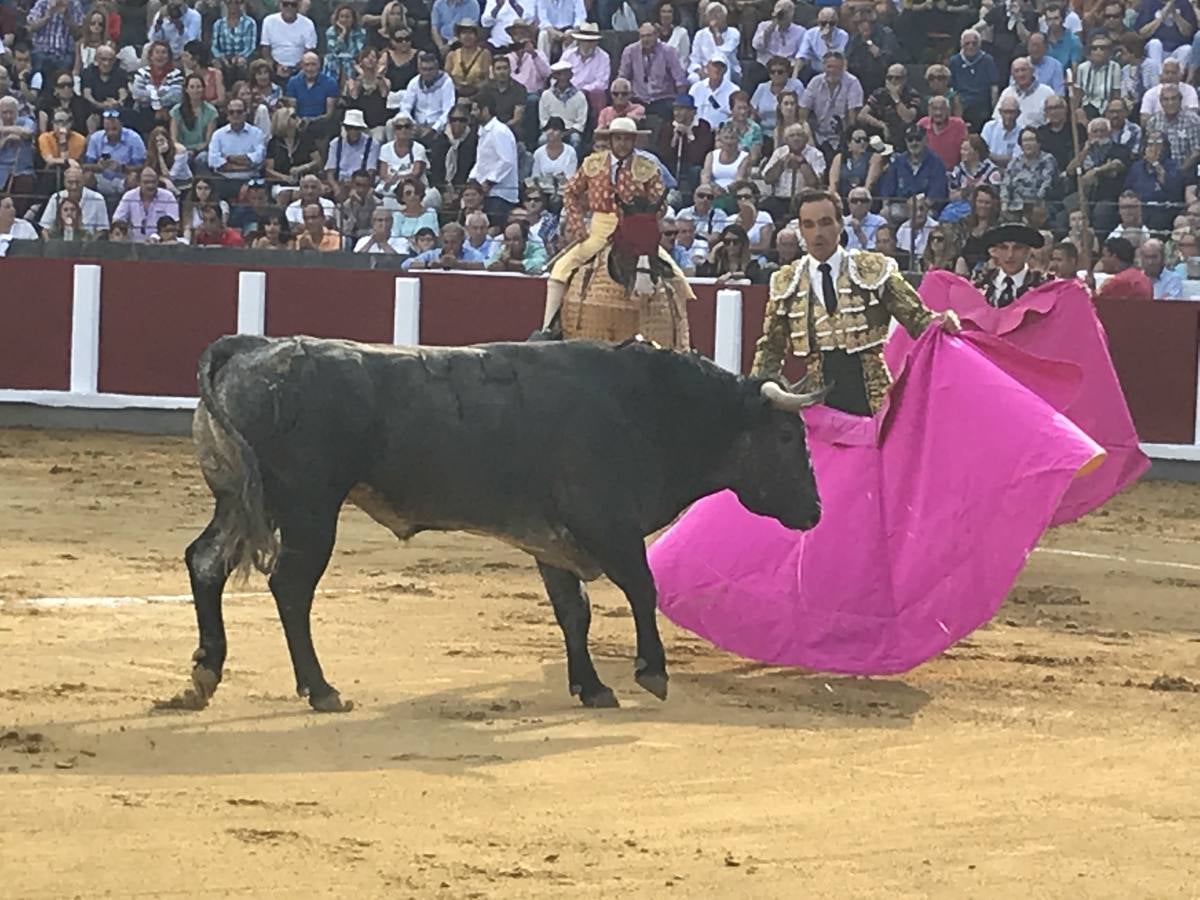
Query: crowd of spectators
[444, 131]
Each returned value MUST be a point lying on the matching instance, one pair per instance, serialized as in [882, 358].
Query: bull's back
[482, 432]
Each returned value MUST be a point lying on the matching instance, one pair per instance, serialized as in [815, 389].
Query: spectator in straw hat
[468, 64]
[444, 17]
[591, 67]
[530, 66]
[352, 152]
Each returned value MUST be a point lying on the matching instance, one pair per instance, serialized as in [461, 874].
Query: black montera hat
[1018, 234]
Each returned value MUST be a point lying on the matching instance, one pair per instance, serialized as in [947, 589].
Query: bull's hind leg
[574, 614]
[306, 542]
[208, 572]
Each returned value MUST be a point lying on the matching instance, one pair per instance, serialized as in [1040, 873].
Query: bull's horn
[800, 386]
[789, 402]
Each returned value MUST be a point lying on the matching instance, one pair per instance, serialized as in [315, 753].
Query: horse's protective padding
[596, 308]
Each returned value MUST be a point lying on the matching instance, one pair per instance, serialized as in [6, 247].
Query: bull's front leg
[574, 615]
[628, 570]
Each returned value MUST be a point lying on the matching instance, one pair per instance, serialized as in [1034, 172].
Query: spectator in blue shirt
[1157, 181]
[455, 253]
[313, 94]
[1166, 283]
[1046, 68]
[917, 171]
[1171, 24]
[448, 13]
[1061, 43]
[16, 151]
[973, 74]
[113, 153]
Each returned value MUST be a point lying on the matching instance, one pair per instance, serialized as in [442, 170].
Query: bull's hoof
[601, 699]
[331, 703]
[654, 682]
[195, 698]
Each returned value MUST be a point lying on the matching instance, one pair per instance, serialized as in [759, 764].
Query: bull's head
[774, 476]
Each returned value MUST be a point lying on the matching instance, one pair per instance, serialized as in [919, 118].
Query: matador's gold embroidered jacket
[871, 291]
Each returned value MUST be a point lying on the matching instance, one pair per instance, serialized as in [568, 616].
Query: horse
[627, 288]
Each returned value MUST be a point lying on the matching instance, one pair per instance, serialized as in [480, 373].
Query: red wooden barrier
[334, 303]
[156, 319]
[1154, 349]
[459, 309]
[35, 324]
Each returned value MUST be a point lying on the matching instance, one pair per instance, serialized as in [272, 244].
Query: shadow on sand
[467, 729]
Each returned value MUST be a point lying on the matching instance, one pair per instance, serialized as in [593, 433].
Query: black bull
[572, 452]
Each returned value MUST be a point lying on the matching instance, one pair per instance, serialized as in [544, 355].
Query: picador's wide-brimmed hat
[1017, 234]
[622, 125]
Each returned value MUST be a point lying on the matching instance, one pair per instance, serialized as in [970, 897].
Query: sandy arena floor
[1031, 761]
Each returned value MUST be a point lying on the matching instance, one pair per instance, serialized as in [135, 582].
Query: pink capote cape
[1055, 321]
[929, 511]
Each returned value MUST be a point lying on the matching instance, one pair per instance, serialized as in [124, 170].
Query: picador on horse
[615, 281]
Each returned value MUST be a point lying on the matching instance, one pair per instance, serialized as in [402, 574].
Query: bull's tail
[248, 538]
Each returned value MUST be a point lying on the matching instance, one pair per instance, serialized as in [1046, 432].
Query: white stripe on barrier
[406, 313]
[727, 341]
[85, 330]
[252, 303]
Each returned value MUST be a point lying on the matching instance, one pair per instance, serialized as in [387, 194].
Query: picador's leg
[555, 290]
[574, 614]
[306, 542]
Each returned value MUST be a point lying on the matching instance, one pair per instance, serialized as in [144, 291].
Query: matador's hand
[948, 321]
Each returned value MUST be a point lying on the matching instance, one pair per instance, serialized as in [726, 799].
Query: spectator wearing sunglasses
[767, 95]
[861, 224]
[777, 38]
[707, 219]
[729, 258]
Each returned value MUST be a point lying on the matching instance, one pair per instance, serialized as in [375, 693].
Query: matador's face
[1011, 257]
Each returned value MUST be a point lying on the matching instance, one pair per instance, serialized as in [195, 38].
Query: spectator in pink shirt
[944, 133]
[590, 66]
[143, 206]
[622, 104]
[530, 67]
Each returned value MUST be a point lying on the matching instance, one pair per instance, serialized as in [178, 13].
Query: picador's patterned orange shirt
[593, 187]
